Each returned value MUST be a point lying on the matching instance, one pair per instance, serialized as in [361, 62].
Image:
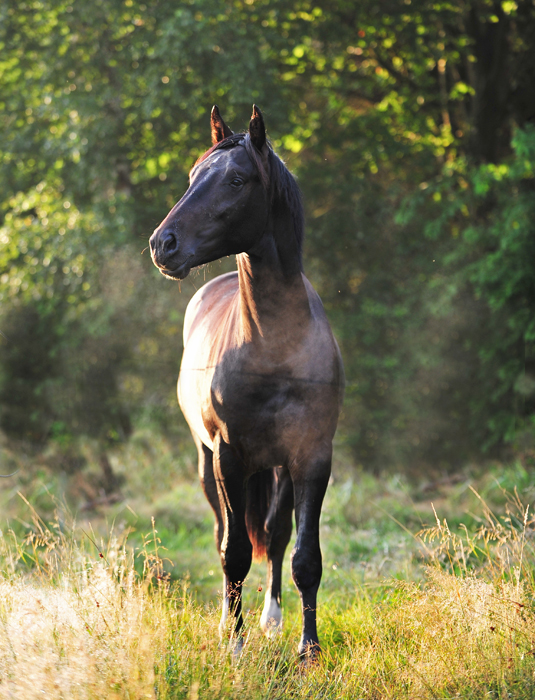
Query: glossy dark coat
[261, 379]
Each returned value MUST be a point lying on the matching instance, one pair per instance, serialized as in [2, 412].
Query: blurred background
[410, 125]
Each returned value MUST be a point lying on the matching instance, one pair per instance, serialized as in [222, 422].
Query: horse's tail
[258, 499]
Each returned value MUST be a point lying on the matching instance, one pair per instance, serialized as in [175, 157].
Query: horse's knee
[236, 560]
[306, 568]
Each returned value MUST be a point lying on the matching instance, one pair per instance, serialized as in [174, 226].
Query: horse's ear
[220, 130]
[257, 130]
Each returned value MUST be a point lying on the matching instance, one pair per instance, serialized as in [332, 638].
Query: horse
[261, 380]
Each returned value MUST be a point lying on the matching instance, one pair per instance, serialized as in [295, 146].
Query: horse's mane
[277, 179]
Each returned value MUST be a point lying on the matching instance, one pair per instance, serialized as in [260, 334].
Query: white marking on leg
[235, 647]
[271, 619]
[224, 611]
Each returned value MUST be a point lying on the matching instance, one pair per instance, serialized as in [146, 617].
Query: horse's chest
[255, 412]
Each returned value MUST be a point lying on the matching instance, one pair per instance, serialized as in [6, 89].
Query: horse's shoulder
[217, 292]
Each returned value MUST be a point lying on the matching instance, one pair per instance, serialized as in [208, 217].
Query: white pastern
[271, 620]
[224, 617]
[235, 647]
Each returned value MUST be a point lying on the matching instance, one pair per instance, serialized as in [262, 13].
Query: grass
[122, 602]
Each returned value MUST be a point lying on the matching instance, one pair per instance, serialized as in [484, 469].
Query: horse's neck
[273, 297]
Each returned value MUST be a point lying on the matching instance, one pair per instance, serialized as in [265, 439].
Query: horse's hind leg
[310, 483]
[236, 550]
[209, 486]
[279, 530]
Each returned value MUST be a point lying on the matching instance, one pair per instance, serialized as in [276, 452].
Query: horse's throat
[273, 304]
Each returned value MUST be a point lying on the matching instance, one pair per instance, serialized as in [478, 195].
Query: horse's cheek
[249, 220]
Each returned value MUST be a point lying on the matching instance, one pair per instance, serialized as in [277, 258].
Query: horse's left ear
[220, 130]
[257, 130]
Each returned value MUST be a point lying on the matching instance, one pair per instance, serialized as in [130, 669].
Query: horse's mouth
[178, 272]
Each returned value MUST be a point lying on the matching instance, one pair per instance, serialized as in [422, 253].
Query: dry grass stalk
[75, 622]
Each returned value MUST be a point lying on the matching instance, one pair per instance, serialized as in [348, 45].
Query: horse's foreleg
[279, 530]
[310, 483]
[236, 550]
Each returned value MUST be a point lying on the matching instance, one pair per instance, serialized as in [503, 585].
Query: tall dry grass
[76, 621]
[467, 630]
[83, 618]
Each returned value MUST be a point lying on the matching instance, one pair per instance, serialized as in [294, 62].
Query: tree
[408, 124]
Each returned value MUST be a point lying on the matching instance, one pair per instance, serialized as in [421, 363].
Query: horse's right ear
[257, 129]
[220, 130]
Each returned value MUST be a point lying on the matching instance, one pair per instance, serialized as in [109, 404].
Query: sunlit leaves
[47, 249]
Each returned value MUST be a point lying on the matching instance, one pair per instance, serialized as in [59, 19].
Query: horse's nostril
[169, 242]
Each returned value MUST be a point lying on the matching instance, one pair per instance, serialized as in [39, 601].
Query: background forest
[410, 125]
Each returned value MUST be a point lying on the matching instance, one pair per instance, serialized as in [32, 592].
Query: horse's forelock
[227, 142]
[234, 140]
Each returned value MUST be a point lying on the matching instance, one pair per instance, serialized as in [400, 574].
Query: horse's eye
[236, 182]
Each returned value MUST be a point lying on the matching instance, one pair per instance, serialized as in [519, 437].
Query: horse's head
[226, 207]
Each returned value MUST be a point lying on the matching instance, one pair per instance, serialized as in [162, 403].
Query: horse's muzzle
[164, 243]
[177, 273]
[164, 250]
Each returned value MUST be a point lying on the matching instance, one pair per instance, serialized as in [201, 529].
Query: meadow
[427, 589]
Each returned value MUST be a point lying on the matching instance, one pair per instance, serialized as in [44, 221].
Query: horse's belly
[264, 439]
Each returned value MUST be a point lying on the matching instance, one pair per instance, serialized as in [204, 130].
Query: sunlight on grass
[78, 619]
[75, 619]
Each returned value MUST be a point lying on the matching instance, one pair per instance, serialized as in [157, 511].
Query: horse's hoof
[309, 652]
[272, 629]
[233, 646]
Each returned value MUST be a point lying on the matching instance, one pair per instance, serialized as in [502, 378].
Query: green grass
[121, 601]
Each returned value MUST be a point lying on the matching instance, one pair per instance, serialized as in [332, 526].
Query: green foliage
[487, 212]
[397, 118]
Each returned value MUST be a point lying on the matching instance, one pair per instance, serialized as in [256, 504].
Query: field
[427, 591]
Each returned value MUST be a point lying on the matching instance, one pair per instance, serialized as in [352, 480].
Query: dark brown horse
[261, 379]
